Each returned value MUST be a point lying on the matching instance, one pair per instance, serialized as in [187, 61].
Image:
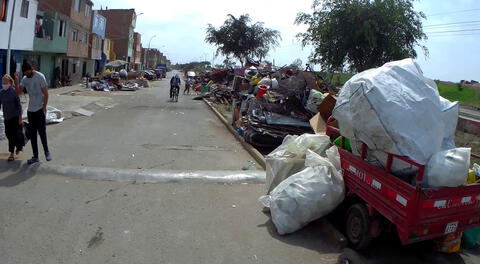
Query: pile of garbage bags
[304, 181]
[274, 105]
[395, 109]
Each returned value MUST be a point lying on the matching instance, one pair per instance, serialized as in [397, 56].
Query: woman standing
[12, 115]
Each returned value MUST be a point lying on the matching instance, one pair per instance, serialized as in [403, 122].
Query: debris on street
[54, 115]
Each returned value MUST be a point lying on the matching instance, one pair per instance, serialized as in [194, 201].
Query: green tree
[361, 34]
[241, 39]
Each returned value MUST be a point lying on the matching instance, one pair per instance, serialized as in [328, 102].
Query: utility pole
[146, 52]
[9, 50]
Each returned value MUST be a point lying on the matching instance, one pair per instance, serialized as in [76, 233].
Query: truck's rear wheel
[358, 226]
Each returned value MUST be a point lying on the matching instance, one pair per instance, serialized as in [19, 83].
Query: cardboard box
[319, 126]
[326, 107]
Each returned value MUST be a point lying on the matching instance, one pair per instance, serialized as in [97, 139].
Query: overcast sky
[180, 30]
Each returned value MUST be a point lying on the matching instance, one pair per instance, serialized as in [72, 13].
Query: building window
[74, 68]
[87, 11]
[74, 35]
[77, 6]
[24, 9]
[62, 28]
[3, 10]
[85, 38]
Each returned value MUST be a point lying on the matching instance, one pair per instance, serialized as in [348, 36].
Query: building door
[64, 68]
[84, 69]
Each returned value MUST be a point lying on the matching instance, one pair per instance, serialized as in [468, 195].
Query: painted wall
[78, 47]
[83, 17]
[43, 62]
[49, 39]
[99, 24]
[107, 48]
[23, 28]
[95, 47]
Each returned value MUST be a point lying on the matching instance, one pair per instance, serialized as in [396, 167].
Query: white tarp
[307, 195]
[289, 158]
[396, 109]
[448, 168]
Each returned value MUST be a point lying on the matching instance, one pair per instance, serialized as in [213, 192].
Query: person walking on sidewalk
[12, 115]
[37, 88]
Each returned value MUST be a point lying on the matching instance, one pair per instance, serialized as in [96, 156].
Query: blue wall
[99, 24]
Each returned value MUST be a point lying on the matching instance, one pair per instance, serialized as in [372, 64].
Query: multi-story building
[97, 38]
[137, 50]
[77, 53]
[24, 19]
[120, 29]
[152, 57]
[50, 41]
[75, 62]
[108, 50]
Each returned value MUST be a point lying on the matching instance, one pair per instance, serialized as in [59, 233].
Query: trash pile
[304, 181]
[391, 109]
[395, 109]
[121, 81]
[272, 104]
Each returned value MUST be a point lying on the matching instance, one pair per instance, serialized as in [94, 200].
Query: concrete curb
[151, 176]
[259, 158]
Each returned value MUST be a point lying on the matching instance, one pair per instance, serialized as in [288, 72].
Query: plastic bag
[289, 158]
[53, 115]
[448, 168]
[396, 109]
[334, 157]
[476, 169]
[305, 196]
[2, 128]
[314, 100]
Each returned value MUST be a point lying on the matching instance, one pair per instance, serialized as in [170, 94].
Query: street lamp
[146, 52]
[9, 51]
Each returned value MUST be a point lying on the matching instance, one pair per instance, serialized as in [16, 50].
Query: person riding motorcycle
[174, 82]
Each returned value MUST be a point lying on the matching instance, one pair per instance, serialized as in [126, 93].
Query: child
[12, 115]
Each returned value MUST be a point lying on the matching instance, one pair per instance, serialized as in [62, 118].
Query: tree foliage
[239, 38]
[361, 33]
[197, 66]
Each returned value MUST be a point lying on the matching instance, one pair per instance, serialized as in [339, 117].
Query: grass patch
[453, 92]
[464, 95]
[337, 78]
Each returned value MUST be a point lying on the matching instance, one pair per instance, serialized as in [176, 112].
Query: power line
[454, 35]
[453, 31]
[455, 12]
[455, 23]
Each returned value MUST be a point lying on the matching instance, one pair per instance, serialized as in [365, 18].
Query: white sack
[314, 100]
[53, 115]
[396, 109]
[289, 158]
[448, 168]
[305, 196]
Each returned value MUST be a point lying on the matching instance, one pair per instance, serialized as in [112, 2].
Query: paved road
[51, 219]
[144, 130]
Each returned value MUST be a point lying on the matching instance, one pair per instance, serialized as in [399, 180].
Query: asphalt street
[113, 195]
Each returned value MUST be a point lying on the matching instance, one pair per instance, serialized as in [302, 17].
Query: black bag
[23, 134]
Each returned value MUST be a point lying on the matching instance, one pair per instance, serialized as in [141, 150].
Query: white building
[23, 30]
